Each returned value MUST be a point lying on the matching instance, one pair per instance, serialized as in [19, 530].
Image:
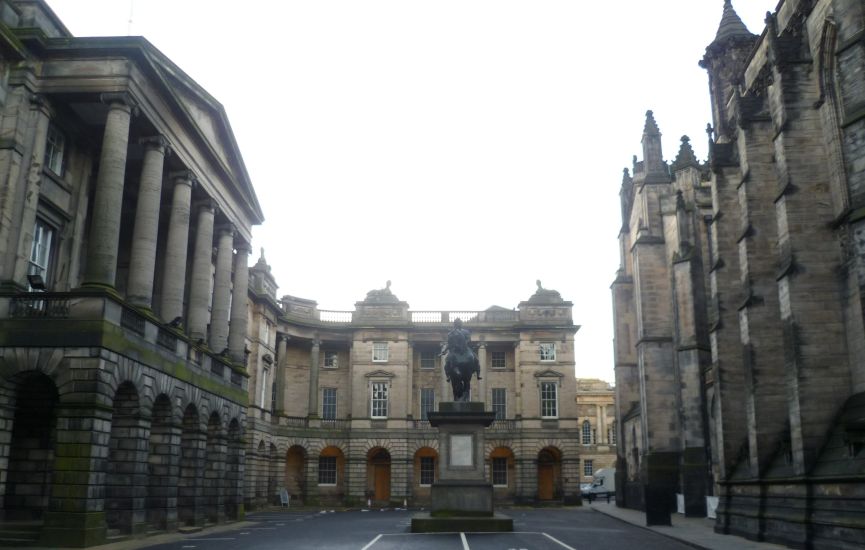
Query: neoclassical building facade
[123, 387]
[739, 343]
[596, 409]
[338, 399]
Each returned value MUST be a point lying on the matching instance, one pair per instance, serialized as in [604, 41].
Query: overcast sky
[460, 148]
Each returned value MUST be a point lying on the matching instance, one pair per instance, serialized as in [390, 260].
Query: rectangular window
[611, 434]
[427, 470]
[264, 388]
[588, 468]
[273, 397]
[547, 351]
[549, 400]
[327, 470]
[55, 147]
[379, 352]
[427, 402]
[428, 359]
[379, 400]
[40, 250]
[500, 472]
[498, 360]
[331, 359]
[328, 403]
[500, 403]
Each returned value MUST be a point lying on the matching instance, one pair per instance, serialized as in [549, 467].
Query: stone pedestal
[462, 499]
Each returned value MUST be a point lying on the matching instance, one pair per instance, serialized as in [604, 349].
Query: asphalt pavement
[534, 529]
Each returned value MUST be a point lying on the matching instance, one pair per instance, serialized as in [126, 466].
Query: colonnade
[212, 299]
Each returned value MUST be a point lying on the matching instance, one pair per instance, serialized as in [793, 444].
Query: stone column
[221, 289]
[202, 278]
[281, 352]
[518, 393]
[31, 196]
[313, 378]
[174, 270]
[108, 201]
[482, 384]
[143, 258]
[239, 297]
[409, 398]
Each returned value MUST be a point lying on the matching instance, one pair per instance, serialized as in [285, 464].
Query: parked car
[604, 485]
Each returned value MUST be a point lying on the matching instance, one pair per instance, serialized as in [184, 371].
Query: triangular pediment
[380, 374]
[549, 374]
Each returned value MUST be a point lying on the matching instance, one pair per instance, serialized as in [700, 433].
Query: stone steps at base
[14, 542]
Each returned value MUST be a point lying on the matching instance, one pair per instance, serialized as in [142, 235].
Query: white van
[604, 485]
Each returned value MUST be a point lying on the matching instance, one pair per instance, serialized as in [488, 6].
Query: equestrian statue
[461, 362]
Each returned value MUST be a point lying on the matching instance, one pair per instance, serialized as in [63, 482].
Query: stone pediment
[549, 374]
[379, 374]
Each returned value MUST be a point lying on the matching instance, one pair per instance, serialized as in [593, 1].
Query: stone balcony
[99, 318]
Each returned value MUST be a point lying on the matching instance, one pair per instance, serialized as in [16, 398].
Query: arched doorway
[425, 473]
[162, 466]
[233, 493]
[502, 473]
[295, 473]
[378, 475]
[331, 475]
[31, 448]
[192, 441]
[549, 473]
[213, 484]
[123, 473]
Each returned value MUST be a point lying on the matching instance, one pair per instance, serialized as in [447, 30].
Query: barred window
[427, 402]
[549, 400]
[328, 403]
[427, 470]
[500, 403]
[498, 360]
[327, 470]
[379, 352]
[428, 359]
[500, 471]
[379, 400]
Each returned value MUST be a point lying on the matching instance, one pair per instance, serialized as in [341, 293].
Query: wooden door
[545, 482]
[382, 482]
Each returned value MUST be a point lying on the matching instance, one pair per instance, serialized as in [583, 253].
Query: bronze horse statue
[461, 362]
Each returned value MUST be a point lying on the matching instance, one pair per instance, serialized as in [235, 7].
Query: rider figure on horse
[461, 363]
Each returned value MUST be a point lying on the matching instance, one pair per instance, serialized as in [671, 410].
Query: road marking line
[563, 545]
[212, 538]
[373, 541]
[188, 546]
[465, 542]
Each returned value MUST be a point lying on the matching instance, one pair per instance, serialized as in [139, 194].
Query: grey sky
[405, 140]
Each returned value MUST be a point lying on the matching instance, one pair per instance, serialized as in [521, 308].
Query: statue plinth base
[462, 499]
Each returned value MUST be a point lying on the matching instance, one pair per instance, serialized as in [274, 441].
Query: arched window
[587, 433]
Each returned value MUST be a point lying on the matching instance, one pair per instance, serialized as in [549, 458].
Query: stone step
[16, 542]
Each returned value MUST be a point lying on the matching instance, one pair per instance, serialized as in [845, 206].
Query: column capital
[243, 246]
[157, 142]
[206, 205]
[120, 99]
[184, 176]
[225, 228]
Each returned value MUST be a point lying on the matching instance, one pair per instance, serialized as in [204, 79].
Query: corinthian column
[221, 289]
[237, 328]
[200, 282]
[174, 271]
[105, 223]
[143, 259]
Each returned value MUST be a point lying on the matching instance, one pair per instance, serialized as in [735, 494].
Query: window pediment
[549, 374]
[379, 374]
